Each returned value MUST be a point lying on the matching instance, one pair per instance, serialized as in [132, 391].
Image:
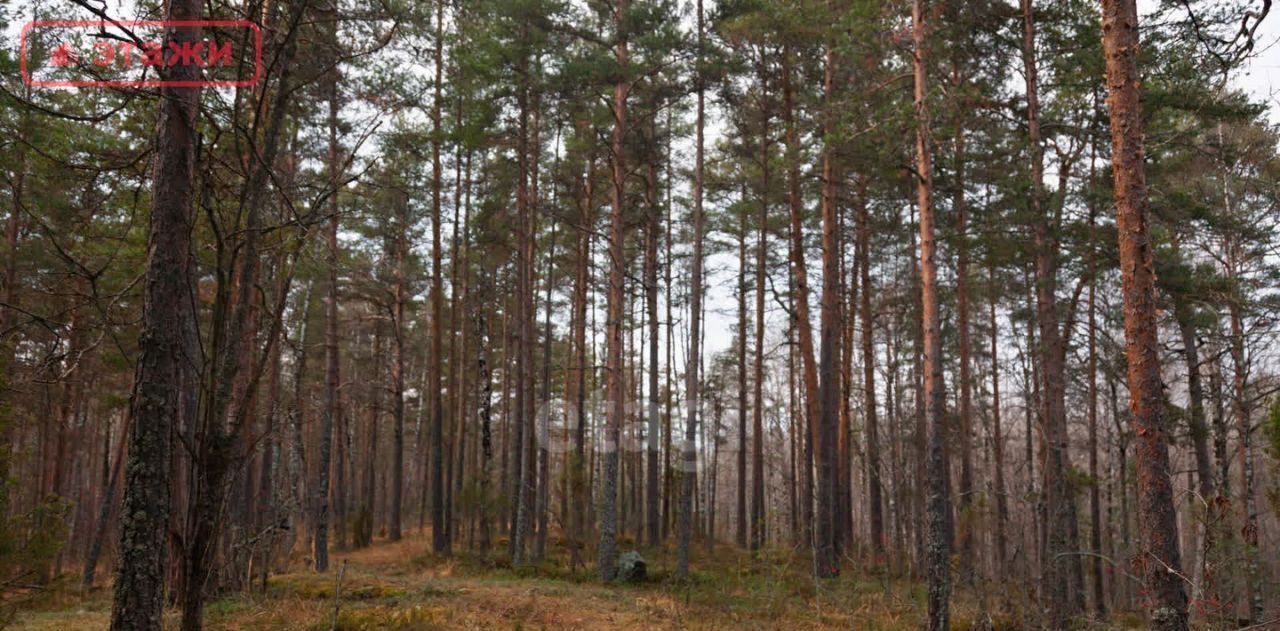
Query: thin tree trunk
[1095, 502]
[938, 551]
[997, 436]
[439, 534]
[397, 371]
[105, 509]
[874, 486]
[516, 444]
[965, 436]
[803, 319]
[1061, 562]
[1253, 578]
[615, 382]
[740, 507]
[652, 433]
[543, 441]
[826, 563]
[689, 455]
[331, 377]
[757, 407]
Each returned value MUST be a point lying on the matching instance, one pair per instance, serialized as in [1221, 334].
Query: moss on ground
[402, 586]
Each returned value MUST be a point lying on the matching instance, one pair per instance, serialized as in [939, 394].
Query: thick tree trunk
[138, 601]
[1160, 561]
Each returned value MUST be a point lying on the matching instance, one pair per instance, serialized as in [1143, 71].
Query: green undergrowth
[402, 586]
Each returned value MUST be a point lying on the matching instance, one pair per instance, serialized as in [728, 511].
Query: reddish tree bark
[1159, 557]
[938, 541]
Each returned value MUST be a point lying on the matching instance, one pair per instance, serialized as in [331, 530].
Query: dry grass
[401, 586]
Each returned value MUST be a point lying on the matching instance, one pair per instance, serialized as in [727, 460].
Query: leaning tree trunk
[1160, 560]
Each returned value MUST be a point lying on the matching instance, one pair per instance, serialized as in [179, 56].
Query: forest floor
[403, 586]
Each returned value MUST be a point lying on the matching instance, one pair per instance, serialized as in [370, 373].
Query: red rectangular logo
[129, 53]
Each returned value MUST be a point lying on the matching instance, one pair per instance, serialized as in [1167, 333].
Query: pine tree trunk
[863, 264]
[740, 507]
[688, 453]
[799, 270]
[439, 530]
[1061, 562]
[1095, 502]
[397, 372]
[964, 436]
[615, 380]
[938, 552]
[997, 436]
[330, 400]
[758, 525]
[486, 416]
[668, 419]
[826, 563]
[1161, 565]
[138, 601]
[515, 437]
[578, 376]
[653, 431]
[1249, 505]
